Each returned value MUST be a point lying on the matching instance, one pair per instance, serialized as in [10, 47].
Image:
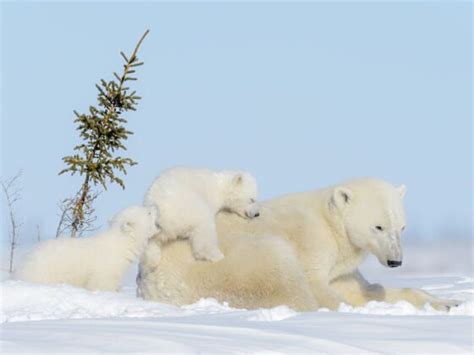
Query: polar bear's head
[240, 194]
[372, 214]
[138, 222]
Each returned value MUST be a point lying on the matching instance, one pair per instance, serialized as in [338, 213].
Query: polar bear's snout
[251, 216]
[390, 250]
[252, 211]
[395, 254]
[394, 263]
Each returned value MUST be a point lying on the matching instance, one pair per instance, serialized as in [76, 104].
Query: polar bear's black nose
[394, 263]
[256, 215]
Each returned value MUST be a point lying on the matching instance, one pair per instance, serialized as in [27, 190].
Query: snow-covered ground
[66, 319]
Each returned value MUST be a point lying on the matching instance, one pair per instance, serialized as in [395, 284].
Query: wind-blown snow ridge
[22, 301]
[403, 308]
[209, 306]
[69, 319]
[273, 314]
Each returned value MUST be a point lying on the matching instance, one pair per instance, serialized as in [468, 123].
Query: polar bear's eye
[379, 228]
[252, 200]
[403, 228]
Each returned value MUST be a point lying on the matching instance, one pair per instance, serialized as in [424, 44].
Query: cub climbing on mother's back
[189, 199]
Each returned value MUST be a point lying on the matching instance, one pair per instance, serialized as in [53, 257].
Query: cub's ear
[238, 178]
[402, 190]
[127, 227]
[341, 197]
[154, 211]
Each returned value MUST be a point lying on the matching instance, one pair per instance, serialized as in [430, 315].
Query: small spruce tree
[103, 132]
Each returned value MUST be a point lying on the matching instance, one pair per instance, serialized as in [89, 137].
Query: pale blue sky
[301, 94]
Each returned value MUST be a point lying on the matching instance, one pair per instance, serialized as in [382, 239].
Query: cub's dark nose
[394, 263]
[256, 215]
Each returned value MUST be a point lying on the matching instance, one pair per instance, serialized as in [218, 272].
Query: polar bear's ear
[341, 196]
[127, 227]
[238, 178]
[154, 210]
[402, 190]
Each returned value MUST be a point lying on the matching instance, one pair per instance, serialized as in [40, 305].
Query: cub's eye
[379, 228]
[403, 228]
[252, 200]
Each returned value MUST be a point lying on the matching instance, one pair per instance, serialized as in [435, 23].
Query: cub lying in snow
[95, 263]
[189, 199]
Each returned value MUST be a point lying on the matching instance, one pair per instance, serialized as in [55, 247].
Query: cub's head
[139, 222]
[371, 212]
[240, 194]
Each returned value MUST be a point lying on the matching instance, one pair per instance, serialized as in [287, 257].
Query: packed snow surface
[39, 318]
[62, 318]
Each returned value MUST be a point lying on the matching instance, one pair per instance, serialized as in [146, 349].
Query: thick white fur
[189, 199]
[304, 251]
[94, 263]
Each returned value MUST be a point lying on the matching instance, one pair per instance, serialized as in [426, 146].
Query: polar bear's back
[279, 280]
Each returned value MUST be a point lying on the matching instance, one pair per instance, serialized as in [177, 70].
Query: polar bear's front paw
[209, 255]
[445, 305]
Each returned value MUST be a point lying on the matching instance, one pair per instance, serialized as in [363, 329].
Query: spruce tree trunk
[79, 207]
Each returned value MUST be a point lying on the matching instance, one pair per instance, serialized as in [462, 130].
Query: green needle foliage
[103, 133]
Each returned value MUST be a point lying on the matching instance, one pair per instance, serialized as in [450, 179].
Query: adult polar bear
[304, 251]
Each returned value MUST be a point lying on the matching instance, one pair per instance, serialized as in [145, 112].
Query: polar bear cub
[189, 199]
[94, 263]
